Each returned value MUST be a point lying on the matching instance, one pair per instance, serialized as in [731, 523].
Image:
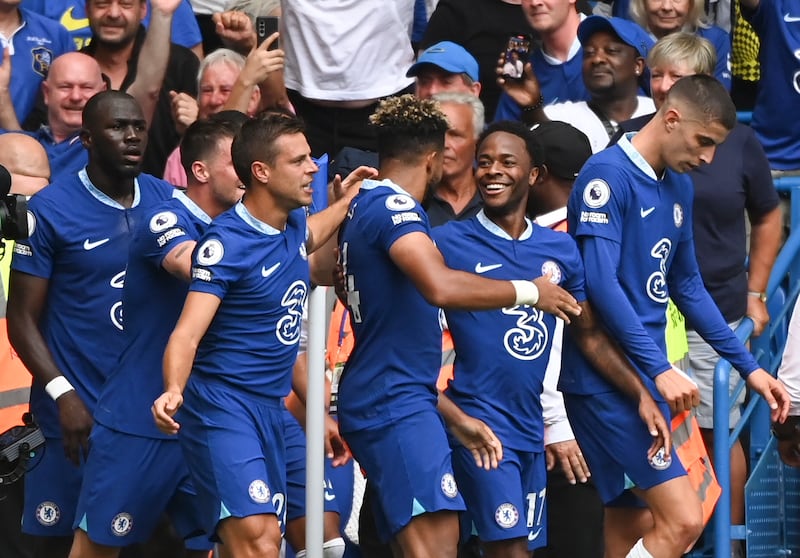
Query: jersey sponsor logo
[302, 250]
[449, 486]
[171, 234]
[554, 270]
[506, 515]
[660, 460]
[267, 271]
[72, 23]
[31, 223]
[259, 492]
[657, 282]
[796, 81]
[677, 215]
[162, 221]
[596, 193]
[480, 268]
[594, 217]
[528, 340]
[48, 514]
[645, 212]
[92, 244]
[122, 524]
[399, 202]
[118, 281]
[115, 313]
[42, 57]
[22, 249]
[210, 252]
[201, 274]
[789, 18]
[294, 299]
[406, 217]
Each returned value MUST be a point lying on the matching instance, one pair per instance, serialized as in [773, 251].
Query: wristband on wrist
[527, 292]
[57, 387]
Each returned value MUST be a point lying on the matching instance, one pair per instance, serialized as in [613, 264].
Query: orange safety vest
[15, 383]
[690, 449]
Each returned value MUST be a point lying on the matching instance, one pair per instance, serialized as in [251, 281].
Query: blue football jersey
[777, 23]
[618, 197]
[33, 48]
[261, 276]
[79, 242]
[153, 299]
[502, 355]
[392, 370]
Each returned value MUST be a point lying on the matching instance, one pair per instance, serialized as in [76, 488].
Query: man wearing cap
[614, 52]
[445, 66]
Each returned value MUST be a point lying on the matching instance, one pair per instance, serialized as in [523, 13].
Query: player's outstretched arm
[474, 434]
[27, 297]
[417, 256]
[198, 311]
[322, 225]
[607, 358]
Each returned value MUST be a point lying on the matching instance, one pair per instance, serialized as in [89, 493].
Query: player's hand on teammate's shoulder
[555, 300]
[678, 389]
[773, 392]
[480, 440]
[657, 424]
[349, 186]
[164, 408]
[76, 424]
[568, 456]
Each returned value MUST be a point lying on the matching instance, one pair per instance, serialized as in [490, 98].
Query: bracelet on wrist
[535, 106]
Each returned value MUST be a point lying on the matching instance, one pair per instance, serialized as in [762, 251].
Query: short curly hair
[408, 127]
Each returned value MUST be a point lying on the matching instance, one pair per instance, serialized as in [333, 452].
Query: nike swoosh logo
[645, 212]
[480, 268]
[266, 272]
[533, 536]
[88, 245]
[329, 497]
[791, 19]
[71, 23]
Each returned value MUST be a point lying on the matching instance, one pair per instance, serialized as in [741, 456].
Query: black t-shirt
[181, 76]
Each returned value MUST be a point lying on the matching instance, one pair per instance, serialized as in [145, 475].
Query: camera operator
[26, 162]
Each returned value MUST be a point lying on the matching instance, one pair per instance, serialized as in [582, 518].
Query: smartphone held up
[517, 52]
[266, 26]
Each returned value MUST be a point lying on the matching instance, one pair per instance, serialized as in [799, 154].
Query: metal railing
[786, 276]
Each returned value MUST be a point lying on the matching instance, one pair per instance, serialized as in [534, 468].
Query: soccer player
[228, 363]
[631, 214]
[502, 355]
[395, 278]
[65, 307]
[125, 442]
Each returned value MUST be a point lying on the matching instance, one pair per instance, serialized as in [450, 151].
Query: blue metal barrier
[784, 283]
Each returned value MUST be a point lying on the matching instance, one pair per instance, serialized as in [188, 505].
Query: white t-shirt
[789, 372]
[347, 50]
[579, 115]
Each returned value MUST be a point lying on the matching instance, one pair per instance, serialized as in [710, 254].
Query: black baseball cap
[566, 148]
